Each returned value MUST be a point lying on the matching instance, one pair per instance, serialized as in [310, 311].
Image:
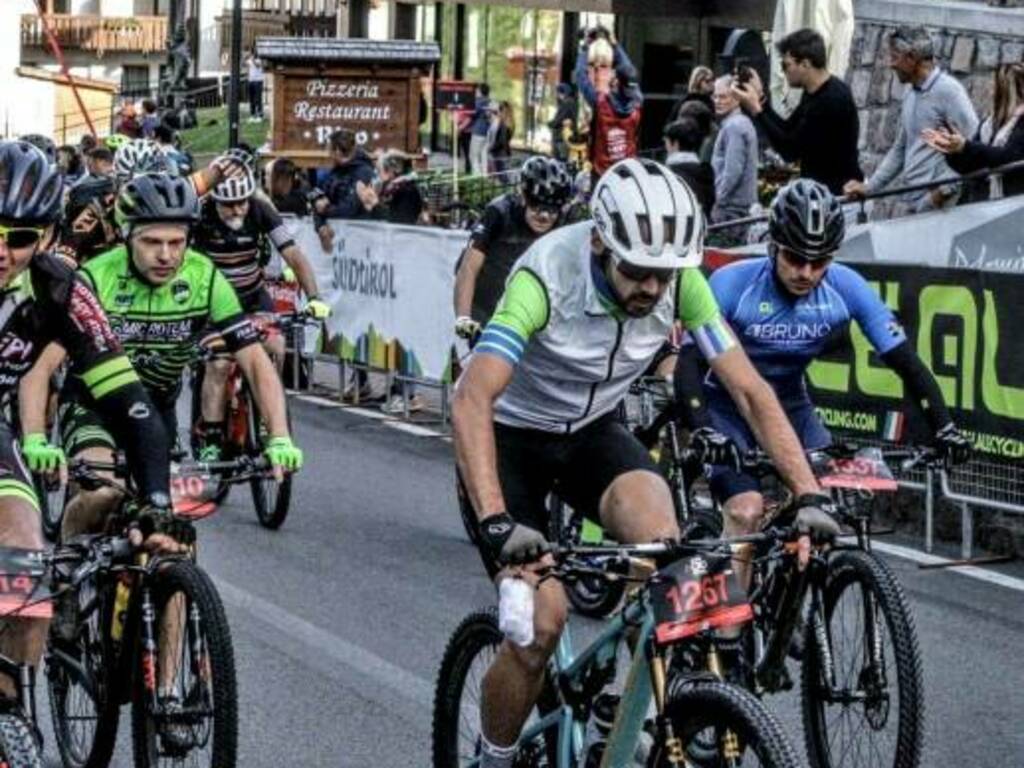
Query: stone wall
[970, 42]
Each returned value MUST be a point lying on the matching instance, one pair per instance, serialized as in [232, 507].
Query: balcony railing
[102, 34]
[273, 24]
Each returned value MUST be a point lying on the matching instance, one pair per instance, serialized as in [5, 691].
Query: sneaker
[397, 405]
[175, 736]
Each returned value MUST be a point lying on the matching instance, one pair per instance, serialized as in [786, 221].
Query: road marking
[388, 420]
[322, 401]
[971, 571]
[342, 652]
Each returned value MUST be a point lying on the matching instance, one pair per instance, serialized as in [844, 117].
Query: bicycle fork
[149, 647]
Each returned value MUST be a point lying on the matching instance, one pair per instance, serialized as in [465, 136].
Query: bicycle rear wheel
[84, 709]
[873, 643]
[18, 745]
[271, 498]
[456, 721]
[196, 670]
[709, 712]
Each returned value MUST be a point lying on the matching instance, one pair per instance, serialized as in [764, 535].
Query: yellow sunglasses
[21, 237]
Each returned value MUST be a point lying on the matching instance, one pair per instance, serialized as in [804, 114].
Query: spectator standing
[705, 117]
[150, 119]
[999, 140]
[255, 79]
[565, 117]
[285, 188]
[615, 126]
[479, 129]
[734, 162]
[934, 100]
[699, 88]
[128, 122]
[683, 139]
[822, 132]
[503, 128]
[399, 200]
[348, 185]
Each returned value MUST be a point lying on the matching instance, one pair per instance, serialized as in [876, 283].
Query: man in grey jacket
[734, 161]
[934, 100]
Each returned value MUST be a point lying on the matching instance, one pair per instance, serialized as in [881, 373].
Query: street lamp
[234, 92]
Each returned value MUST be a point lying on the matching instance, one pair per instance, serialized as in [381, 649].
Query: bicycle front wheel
[874, 715]
[456, 723]
[18, 746]
[195, 721]
[723, 724]
[271, 498]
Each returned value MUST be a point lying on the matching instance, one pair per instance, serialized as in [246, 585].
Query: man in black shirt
[822, 132]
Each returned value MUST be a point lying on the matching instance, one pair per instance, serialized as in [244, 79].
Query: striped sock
[493, 756]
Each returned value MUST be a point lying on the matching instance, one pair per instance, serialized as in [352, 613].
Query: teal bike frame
[569, 671]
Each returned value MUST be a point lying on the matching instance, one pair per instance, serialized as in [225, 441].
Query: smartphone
[742, 72]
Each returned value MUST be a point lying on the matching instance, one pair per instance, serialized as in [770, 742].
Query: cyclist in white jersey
[585, 310]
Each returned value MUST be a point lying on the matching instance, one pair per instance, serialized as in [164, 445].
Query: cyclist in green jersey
[586, 309]
[163, 299]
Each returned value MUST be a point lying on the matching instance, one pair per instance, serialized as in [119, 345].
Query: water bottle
[515, 611]
[601, 719]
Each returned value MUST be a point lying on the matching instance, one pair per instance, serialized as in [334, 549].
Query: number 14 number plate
[696, 594]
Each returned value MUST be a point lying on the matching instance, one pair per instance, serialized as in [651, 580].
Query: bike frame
[571, 668]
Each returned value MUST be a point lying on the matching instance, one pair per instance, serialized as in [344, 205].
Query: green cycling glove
[40, 455]
[282, 452]
[318, 309]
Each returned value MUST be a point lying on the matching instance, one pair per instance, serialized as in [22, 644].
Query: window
[135, 81]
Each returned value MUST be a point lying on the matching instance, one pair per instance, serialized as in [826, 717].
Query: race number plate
[864, 471]
[22, 592]
[192, 493]
[697, 594]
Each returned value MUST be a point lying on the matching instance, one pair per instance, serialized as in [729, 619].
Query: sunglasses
[21, 237]
[799, 261]
[642, 275]
[550, 211]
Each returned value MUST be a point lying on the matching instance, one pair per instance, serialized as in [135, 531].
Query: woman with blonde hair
[1000, 138]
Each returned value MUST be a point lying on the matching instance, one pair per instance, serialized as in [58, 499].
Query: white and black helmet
[137, 157]
[647, 216]
[235, 188]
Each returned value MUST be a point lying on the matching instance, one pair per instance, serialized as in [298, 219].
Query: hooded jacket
[340, 186]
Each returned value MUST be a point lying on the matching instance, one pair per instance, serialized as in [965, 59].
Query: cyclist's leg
[84, 437]
[214, 402]
[611, 476]
[21, 639]
[509, 690]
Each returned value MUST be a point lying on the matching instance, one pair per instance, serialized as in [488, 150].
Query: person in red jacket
[615, 128]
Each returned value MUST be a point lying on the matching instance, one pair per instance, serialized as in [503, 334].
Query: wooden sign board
[371, 87]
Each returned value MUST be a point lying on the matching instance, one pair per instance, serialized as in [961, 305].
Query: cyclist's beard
[234, 223]
[639, 303]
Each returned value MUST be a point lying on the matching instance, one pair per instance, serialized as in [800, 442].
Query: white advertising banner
[390, 288]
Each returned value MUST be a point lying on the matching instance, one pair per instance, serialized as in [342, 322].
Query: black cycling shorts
[82, 428]
[15, 479]
[578, 467]
[259, 300]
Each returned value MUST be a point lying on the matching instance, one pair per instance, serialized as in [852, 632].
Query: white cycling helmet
[235, 189]
[139, 156]
[647, 216]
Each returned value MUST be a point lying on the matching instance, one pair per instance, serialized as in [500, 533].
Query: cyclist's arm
[688, 387]
[582, 76]
[521, 313]
[34, 390]
[465, 280]
[281, 236]
[888, 338]
[262, 376]
[296, 259]
[753, 397]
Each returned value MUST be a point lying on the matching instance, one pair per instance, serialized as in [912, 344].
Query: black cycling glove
[712, 447]
[953, 445]
[508, 542]
[815, 514]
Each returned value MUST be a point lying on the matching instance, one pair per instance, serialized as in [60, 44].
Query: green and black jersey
[162, 327]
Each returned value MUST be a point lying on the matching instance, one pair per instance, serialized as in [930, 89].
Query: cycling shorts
[579, 467]
[812, 434]
[15, 479]
[259, 300]
[82, 428]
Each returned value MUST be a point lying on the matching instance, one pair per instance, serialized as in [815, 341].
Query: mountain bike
[675, 611]
[245, 433]
[861, 683]
[146, 630]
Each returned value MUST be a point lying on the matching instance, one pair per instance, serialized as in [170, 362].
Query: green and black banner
[968, 327]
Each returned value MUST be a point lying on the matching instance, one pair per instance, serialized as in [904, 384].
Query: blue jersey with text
[782, 333]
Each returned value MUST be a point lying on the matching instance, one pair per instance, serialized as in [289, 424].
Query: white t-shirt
[255, 70]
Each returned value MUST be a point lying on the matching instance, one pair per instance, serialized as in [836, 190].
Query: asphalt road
[340, 618]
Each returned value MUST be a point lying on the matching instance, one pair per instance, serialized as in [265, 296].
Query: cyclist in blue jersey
[786, 309]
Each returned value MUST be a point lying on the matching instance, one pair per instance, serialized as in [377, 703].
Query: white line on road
[972, 571]
[360, 660]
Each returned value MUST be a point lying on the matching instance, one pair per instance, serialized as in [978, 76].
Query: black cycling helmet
[30, 185]
[545, 182]
[44, 143]
[807, 219]
[155, 198]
